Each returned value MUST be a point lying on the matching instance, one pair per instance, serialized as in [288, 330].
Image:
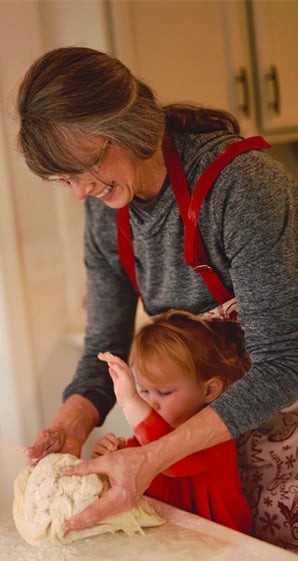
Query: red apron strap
[177, 178]
[194, 252]
[189, 206]
[180, 188]
[125, 247]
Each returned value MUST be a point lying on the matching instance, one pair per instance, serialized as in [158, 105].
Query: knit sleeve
[111, 307]
[256, 222]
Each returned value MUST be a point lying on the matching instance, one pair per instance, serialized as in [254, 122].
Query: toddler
[180, 364]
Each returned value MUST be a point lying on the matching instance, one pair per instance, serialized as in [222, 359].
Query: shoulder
[254, 167]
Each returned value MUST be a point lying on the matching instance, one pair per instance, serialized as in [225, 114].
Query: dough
[44, 499]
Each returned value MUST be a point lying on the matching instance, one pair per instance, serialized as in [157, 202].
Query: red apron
[189, 206]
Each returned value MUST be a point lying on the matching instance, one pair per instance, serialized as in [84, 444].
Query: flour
[44, 499]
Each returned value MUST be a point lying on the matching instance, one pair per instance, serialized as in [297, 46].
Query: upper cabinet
[275, 47]
[237, 55]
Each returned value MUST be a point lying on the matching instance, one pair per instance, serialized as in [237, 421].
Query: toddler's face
[176, 397]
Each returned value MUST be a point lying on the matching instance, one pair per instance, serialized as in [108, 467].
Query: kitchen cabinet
[275, 39]
[230, 54]
[261, 45]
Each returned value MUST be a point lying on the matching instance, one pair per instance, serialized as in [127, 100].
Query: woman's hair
[73, 94]
[201, 348]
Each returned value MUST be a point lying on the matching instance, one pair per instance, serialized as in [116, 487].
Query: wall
[42, 281]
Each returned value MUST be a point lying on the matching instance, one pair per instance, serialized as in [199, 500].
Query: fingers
[111, 359]
[112, 502]
[83, 468]
[47, 441]
[106, 357]
[106, 445]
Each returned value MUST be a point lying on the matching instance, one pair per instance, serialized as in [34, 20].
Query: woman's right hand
[130, 471]
[70, 428]
[52, 440]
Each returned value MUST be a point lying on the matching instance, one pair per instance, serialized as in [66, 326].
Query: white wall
[42, 281]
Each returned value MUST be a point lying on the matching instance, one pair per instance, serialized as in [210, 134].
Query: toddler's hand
[122, 376]
[107, 444]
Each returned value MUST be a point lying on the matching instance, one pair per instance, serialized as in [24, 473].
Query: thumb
[85, 467]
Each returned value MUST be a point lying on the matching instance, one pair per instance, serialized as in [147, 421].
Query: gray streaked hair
[71, 95]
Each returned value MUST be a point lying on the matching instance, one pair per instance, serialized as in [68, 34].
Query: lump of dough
[44, 499]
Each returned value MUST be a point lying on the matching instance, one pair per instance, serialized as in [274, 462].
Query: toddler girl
[180, 364]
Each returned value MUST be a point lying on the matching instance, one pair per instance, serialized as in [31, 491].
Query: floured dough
[44, 499]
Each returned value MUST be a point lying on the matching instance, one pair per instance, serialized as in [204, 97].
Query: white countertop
[184, 537]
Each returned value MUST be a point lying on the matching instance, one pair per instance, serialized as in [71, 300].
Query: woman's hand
[47, 441]
[107, 444]
[131, 470]
[130, 473]
[68, 432]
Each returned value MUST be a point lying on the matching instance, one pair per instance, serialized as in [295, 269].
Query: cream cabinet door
[239, 62]
[176, 46]
[275, 30]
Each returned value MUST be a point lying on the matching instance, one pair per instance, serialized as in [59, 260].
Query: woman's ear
[213, 388]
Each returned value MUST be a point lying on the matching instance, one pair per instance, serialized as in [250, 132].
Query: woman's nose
[80, 190]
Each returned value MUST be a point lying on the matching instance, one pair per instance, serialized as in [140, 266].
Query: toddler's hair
[200, 347]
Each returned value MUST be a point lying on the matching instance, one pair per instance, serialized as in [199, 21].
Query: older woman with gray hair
[185, 213]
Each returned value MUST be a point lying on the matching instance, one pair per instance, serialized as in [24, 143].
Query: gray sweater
[248, 226]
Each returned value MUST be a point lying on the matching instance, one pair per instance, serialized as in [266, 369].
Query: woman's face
[116, 180]
[176, 397]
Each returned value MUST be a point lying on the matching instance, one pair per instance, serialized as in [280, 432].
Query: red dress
[205, 483]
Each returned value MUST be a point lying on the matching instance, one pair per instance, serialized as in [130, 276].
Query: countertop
[184, 536]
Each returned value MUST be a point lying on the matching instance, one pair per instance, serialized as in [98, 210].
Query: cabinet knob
[241, 79]
[272, 78]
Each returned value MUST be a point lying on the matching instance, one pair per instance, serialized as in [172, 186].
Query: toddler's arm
[135, 409]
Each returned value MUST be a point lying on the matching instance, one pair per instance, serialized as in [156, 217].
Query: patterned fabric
[268, 463]
[226, 311]
[267, 459]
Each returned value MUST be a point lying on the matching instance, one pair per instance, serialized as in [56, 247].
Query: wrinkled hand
[72, 424]
[49, 441]
[122, 376]
[107, 444]
[130, 473]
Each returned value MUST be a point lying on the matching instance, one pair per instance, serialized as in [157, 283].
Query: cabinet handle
[272, 77]
[241, 78]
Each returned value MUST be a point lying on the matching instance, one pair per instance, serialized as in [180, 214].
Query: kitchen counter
[183, 537]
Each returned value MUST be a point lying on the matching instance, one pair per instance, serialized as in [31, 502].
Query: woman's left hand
[130, 473]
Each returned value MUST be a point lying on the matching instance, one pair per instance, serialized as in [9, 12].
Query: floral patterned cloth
[267, 459]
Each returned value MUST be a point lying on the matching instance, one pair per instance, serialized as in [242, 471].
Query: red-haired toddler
[179, 364]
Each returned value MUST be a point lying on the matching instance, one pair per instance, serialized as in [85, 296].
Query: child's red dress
[205, 483]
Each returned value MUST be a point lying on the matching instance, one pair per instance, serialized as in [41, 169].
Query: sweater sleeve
[256, 223]
[154, 427]
[111, 309]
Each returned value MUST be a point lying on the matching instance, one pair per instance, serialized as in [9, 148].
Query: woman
[88, 123]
